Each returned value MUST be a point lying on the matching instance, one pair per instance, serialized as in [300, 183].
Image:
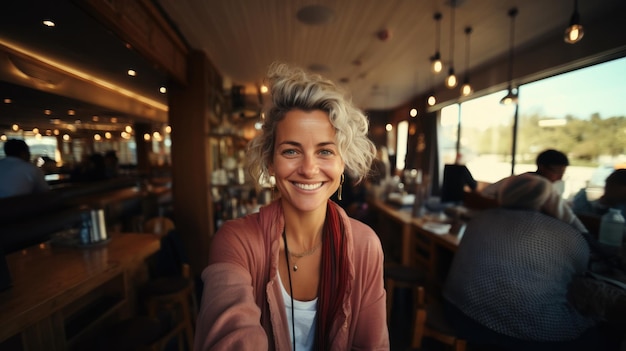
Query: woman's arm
[229, 318]
[371, 331]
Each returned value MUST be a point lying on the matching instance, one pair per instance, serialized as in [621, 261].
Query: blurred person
[299, 273]
[92, 168]
[111, 163]
[18, 176]
[551, 165]
[614, 196]
[508, 282]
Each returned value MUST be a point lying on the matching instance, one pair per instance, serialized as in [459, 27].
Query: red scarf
[334, 277]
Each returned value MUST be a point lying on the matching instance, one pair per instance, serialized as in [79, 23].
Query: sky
[597, 89]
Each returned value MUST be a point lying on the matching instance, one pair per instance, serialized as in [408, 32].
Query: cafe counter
[415, 241]
[62, 294]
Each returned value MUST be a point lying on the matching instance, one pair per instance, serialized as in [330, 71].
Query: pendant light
[466, 88]
[511, 97]
[574, 32]
[451, 80]
[432, 100]
[437, 65]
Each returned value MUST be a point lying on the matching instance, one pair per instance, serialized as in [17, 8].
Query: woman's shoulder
[360, 228]
[240, 229]
[363, 235]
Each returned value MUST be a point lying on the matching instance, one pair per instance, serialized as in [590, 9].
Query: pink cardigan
[242, 307]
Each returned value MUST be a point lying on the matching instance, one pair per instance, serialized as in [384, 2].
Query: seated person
[551, 165]
[614, 196]
[508, 282]
[18, 176]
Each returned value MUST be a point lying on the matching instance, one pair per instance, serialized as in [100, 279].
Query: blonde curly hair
[293, 88]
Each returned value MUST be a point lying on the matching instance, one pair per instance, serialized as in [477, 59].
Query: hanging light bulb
[451, 79]
[432, 100]
[574, 32]
[511, 96]
[437, 65]
[466, 88]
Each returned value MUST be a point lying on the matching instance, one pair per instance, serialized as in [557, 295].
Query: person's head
[551, 164]
[17, 148]
[525, 192]
[615, 188]
[311, 133]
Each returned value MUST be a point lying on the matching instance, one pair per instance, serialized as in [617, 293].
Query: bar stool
[170, 295]
[132, 334]
[158, 225]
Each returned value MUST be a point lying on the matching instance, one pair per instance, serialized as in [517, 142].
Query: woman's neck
[304, 229]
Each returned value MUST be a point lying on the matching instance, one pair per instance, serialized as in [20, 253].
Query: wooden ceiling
[242, 37]
[378, 50]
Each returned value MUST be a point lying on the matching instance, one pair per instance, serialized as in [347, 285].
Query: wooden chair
[398, 277]
[430, 323]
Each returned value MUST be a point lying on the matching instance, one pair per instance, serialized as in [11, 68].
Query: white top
[304, 313]
[18, 177]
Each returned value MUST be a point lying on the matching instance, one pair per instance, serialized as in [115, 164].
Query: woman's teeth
[308, 186]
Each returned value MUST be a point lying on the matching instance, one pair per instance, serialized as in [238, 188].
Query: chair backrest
[171, 259]
[158, 225]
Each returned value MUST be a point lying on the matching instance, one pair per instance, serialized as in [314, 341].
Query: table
[57, 292]
[420, 247]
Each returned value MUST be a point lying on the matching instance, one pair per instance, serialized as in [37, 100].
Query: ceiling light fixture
[315, 14]
[511, 96]
[574, 32]
[437, 65]
[451, 80]
[466, 89]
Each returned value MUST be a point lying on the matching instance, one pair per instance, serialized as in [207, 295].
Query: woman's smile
[312, 186]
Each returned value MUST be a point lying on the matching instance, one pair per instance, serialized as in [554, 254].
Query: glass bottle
[612, 228]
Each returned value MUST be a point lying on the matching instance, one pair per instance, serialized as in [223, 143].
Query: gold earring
[340, 186]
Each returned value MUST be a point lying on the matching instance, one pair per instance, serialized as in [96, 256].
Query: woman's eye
[289, 152]
[327, 152]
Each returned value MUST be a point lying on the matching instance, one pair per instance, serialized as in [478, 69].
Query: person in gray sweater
[508, 282]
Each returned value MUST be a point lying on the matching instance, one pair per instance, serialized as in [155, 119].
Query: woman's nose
[309, 166]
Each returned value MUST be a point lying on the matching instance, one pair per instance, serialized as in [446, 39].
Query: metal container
[93, 227]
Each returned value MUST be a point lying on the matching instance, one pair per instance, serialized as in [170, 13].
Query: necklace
[297, 256]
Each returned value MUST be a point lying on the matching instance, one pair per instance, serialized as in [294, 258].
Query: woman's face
[306, 161]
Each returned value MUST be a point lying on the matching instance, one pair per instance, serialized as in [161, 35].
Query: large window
[581, 113]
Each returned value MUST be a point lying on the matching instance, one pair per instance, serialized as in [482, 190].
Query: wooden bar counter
[60, 294]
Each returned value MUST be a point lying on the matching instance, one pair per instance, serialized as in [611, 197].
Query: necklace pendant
[295, 268]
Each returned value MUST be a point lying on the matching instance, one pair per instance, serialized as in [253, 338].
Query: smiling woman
[310, 270]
